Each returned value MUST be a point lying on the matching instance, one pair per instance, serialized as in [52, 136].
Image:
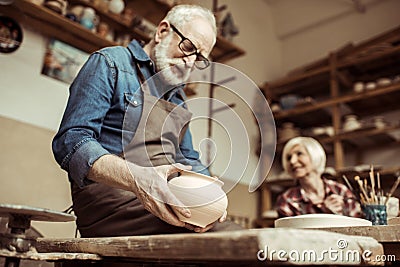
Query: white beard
[172, 75]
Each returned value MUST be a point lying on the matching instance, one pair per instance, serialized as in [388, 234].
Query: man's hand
[149, 184]
[151, 188]
[198, 229]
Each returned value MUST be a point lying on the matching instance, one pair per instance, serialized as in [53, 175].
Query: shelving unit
[55, 25]
[329, 82]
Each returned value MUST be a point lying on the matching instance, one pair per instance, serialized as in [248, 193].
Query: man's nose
[190, 60]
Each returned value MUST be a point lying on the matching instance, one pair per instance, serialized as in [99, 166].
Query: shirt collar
[137, 51]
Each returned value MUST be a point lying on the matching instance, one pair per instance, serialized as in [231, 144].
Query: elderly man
[110, 140]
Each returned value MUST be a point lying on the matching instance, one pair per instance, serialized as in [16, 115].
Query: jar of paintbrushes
[372, 197]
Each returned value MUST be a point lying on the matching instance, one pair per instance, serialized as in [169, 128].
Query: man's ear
[162, 31]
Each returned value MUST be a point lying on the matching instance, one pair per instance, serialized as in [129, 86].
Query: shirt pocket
[133, 99]
[133, 111]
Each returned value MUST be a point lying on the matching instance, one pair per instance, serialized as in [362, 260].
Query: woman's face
[299, 162]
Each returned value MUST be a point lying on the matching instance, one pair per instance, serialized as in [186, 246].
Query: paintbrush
[394, 187]
[379, 193]
[372, 178]
[347, 182]
[360, 183]
[356, 195]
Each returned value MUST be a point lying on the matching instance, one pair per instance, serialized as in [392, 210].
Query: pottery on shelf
[358, 87]
[351, 123]
[89, 18]
[328, 130]
[116, 6]
[59, 6]
[379, 122]
[289, 101]
[383, 81]
[202, 195]
[318, 130]
[370, 85]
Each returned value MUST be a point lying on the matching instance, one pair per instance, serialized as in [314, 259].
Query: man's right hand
[148, 183]
[151, 188]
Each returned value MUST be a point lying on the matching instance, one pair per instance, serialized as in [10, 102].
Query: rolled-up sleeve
[76, 146]
[83, 159]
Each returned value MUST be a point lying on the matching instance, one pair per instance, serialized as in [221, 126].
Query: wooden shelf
[361, 133]
[54, 25]
[366, 138]
[114, 21]
[311, 119]
[374, 97]
[380, 53]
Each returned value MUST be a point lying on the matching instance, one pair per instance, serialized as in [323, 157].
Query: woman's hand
[334, 203]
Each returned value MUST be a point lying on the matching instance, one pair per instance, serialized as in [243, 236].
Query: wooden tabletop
[382, 233]
[387, 235]
[254, 246]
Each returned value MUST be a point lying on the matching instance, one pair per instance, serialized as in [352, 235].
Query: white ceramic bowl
[383, 81]
[320, 221]
[202, 195]
[358, 87]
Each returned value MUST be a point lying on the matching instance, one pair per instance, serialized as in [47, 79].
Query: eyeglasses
[189, 49]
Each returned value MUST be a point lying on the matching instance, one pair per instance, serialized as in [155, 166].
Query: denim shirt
[92, 125]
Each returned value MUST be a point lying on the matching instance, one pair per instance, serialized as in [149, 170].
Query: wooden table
[387, 235]
[254, 247]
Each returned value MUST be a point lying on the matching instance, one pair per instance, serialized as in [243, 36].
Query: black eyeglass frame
[199, 56]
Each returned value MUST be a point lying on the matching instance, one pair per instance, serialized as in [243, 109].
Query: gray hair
[181, 14]
[313, 148]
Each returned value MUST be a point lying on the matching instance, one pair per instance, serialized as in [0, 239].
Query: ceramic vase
[116, 6]
[379, 122]
[202, 195]
[351, 123]
[88, 19]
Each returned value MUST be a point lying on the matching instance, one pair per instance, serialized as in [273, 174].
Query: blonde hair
[181, 14]
[313, 148]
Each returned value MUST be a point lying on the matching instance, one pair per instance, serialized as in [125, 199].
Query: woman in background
[304, 159]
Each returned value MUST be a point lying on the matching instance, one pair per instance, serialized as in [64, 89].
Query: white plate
[320, 221]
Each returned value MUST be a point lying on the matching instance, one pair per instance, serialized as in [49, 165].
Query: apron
[106, 211]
